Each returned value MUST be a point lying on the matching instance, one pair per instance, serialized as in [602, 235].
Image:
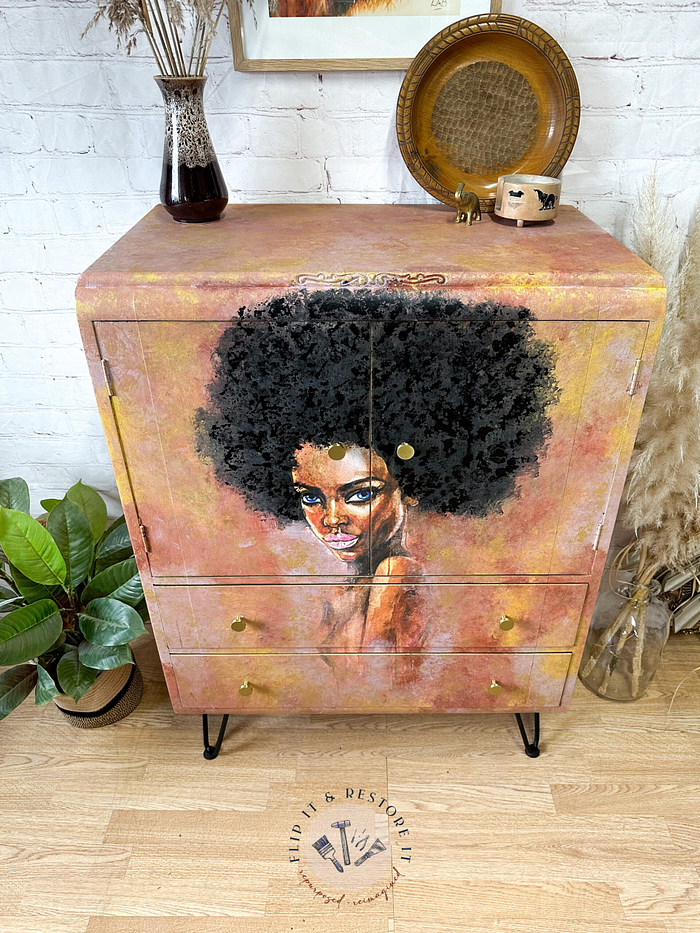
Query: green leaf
[115, 557]
[117, 540]
[73, 677]
[15, 686]
[69, 527]
[48, 505]
[142, 610]
[46, 689]
[6, 591]
[60, 641]
[104, 659]
[92, 503]
[108, 622]
[102, 563]
[117, 523]
[31, 591]
[121, 520]
[14, 494]
[10, 601]
[31, 548]
[27, 632]
[130, 592]
[120, 581]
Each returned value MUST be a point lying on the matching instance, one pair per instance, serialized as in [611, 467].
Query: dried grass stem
[179, 32]
[633, 607]
[663, 489]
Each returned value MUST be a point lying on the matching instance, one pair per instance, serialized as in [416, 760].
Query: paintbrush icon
[376, 847]
[326, 850]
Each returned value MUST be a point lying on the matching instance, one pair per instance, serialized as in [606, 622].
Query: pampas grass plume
[179, 32]
[663, 493]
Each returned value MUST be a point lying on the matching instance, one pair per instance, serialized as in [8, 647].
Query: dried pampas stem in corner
[663, 494]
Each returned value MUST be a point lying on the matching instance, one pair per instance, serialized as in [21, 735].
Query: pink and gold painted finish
[289, 617]
[156, 305]
[317, 245]
[200, 528]
[380, 683]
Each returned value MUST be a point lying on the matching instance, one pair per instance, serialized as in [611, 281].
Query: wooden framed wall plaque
[339, 35]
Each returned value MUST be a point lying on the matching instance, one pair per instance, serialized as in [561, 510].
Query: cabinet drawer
[368, 683]
[425, 617]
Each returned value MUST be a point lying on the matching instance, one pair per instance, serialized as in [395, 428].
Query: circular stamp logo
[350, 847]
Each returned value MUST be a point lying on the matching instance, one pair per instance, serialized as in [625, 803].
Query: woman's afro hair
[467, 385]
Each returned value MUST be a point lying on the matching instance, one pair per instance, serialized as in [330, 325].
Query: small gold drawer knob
[506, 623]
[336, 451]
[238, 624]
[245, 689]
[494, 688]
[405, 451]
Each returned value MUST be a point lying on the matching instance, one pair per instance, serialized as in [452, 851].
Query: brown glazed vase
[192, 187]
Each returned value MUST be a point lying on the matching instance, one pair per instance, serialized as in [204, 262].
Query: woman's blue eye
[308, 499]
[362, 495]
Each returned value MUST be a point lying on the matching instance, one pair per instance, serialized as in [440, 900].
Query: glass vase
[192, 188]
[625, 642]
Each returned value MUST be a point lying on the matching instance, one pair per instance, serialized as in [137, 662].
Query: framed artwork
[340, 35]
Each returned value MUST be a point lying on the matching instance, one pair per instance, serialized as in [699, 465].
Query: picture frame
[338, 43]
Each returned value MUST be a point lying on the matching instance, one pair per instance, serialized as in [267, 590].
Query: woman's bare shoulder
[398, 566]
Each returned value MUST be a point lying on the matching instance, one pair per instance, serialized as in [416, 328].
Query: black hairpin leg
[211, 751]
[532, 749]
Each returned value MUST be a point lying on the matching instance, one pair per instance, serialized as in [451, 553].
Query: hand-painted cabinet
[370, 460]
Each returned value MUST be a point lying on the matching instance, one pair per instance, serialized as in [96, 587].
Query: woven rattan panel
[472, 109]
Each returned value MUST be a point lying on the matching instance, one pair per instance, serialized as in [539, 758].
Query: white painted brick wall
[80, 148]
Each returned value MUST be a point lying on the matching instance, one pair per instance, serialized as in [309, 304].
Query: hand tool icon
[376, 847]
[326, 850]
[341, 824]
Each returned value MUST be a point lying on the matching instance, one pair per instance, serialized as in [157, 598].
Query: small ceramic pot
[527, 197]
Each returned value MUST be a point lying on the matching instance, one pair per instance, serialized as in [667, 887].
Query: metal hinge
[108, 378]
[144, 535]
[632, 387]
[598, 533]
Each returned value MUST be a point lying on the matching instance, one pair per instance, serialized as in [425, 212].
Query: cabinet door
[230, 509]
[465, 512]
[198, 523]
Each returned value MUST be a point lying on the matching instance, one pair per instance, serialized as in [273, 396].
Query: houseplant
[71, 600]
[180, 34]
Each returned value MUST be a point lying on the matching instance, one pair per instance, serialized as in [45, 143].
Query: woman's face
[348, 502]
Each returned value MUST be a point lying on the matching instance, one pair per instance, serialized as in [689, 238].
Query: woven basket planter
[112, 697]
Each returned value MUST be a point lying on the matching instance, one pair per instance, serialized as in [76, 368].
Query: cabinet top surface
[278, 245]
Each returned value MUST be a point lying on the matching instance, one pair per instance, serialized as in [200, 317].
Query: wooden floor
[128, 829]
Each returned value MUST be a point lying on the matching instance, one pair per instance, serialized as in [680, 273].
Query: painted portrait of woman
[349, 410]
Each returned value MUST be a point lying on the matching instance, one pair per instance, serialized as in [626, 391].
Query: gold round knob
[336, 451]
[494, 688]
[238, 624]
[506, 623]
[405, 451]
[245, 689]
